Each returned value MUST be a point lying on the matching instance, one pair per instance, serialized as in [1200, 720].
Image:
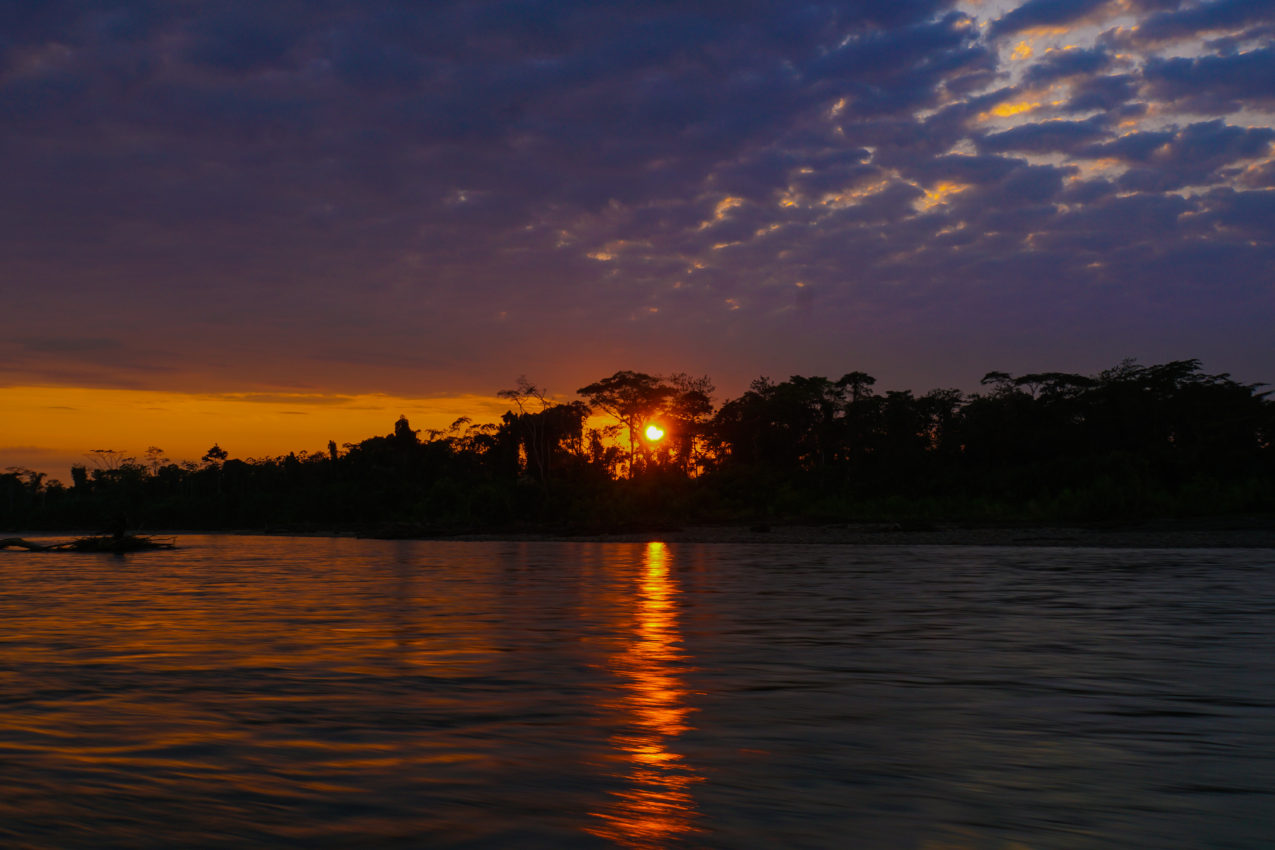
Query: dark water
[339, 693]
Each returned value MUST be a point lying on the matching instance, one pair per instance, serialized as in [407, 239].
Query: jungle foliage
[1131, 442]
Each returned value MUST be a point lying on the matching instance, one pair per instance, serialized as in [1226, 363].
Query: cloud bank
[369, 197]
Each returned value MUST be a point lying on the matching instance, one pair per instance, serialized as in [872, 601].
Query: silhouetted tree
[1130, 441]
[687, 411]
[632, 398]
[215, 456]
[403, 435]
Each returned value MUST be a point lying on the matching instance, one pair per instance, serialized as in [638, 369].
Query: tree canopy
[1131, 441]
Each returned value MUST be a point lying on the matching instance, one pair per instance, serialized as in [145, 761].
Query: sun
[654, 432]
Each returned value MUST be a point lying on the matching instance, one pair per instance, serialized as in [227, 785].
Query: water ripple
[274, 692]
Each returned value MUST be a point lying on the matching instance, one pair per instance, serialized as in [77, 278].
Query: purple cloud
[375, 196]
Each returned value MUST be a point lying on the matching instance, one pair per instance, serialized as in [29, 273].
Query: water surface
[284, 692]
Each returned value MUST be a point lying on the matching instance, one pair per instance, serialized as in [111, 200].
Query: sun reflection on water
[656, 806]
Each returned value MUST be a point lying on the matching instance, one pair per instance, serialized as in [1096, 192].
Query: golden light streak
[1088, 169]
[657, 807]
[1022, 50]
[846, 197]
[724, 206]
[1254, 169]
[609, 251]
[1006, 110]
[850, 197]
[939, 194]
[1046, 31]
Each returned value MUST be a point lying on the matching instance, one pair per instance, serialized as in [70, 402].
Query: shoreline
[1249, 532]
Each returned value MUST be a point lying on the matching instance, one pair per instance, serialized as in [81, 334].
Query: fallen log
[113, 543]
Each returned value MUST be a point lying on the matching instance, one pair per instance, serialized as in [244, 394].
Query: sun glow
[654, 433]
[52, 428]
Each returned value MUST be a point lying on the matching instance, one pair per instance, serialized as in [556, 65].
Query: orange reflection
[657, 806]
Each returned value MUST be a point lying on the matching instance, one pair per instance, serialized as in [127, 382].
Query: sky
[273, 224]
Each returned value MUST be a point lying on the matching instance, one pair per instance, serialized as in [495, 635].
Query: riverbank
[1254, 532]
[1210, 533]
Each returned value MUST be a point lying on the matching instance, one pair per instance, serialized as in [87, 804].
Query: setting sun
[533, 410]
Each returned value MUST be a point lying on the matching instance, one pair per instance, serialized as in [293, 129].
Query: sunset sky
[273, 224]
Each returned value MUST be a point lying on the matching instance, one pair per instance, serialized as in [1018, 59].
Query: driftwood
[108, 543]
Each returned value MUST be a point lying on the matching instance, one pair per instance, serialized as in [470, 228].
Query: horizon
[277, 424]
[252, 219]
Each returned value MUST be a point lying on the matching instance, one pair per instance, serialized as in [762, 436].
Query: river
[321, 692]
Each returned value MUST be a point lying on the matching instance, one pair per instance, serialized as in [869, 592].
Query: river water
[287, 692]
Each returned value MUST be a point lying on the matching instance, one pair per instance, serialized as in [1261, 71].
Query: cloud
[287, 398]
[1178, 24]
[1194, 155]
[1046, 136]
[1059, 64]
[1105, 93]
[337, 198]
[241, 39]
[1213, 85]
[69, 345]
[1249, 215]
[1036, 14]
[1256, 176]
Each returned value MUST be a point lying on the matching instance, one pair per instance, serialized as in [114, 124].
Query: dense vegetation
[1134, 441]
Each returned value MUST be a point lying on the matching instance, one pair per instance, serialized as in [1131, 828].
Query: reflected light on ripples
[657, 806]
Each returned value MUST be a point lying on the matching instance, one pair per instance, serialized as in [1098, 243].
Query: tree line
[1133, 441]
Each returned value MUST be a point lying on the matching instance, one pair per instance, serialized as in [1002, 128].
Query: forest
[641, 452]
